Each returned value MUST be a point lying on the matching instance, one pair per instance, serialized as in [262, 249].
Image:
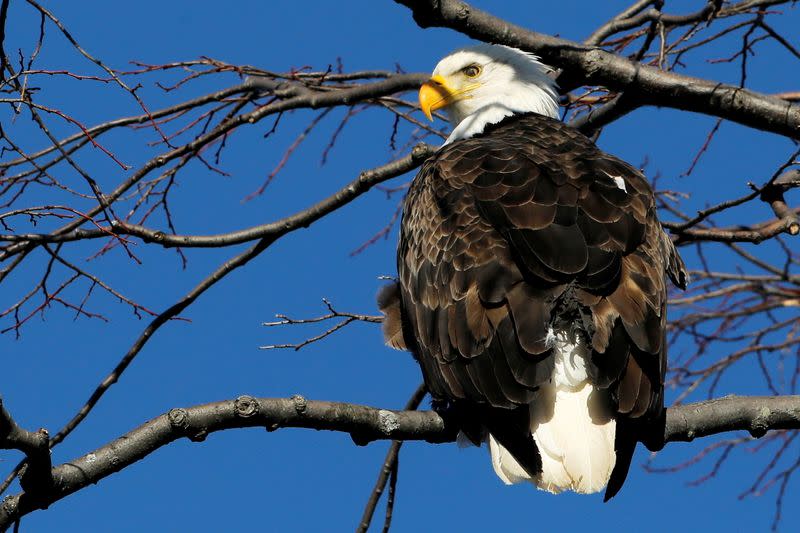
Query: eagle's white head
[483, 84]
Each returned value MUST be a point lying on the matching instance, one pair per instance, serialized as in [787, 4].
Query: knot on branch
[178, 418]
[421, 151]
[246, 406]
[461, 11]
[10, 504]
[593, 62]
[300, 404]
[760, 424]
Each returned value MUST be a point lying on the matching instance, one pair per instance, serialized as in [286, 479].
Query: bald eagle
[531, 279]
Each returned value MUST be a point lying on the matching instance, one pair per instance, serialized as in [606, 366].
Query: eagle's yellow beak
[435, 94]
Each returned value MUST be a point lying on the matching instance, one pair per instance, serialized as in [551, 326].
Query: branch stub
[246, 406]
[178, 418]
[300, 404]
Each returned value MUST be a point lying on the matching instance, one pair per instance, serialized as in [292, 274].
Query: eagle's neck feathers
[491, 107]
[477, 122]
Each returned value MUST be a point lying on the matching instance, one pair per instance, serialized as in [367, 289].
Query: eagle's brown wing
[504, 234]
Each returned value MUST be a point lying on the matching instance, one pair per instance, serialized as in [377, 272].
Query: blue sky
[299, 480]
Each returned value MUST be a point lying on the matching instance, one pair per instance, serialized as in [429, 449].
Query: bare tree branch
[295, 96]
[270, 233]
[364, 182]
[594, 66]
[641, 46]
[756, 414]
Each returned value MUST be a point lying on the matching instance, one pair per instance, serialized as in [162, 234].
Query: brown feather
[505, 231]
[628, 389]
[392, 325]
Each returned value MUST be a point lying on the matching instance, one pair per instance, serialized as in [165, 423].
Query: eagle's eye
[472, 71]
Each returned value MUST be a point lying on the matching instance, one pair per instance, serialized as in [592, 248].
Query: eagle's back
[520, 234]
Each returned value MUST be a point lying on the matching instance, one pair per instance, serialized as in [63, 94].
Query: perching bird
[532, 284]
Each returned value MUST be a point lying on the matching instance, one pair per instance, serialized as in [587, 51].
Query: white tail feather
[571, 424]
[505, 466]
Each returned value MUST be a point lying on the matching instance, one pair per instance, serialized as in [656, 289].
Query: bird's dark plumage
[519, 229]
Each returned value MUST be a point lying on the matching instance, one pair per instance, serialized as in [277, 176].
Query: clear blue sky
[299, 480]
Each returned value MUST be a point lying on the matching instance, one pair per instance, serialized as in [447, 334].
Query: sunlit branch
[365, 424]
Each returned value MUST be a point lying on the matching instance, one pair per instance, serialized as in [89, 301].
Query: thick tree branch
[756, 414]
[584, 64]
